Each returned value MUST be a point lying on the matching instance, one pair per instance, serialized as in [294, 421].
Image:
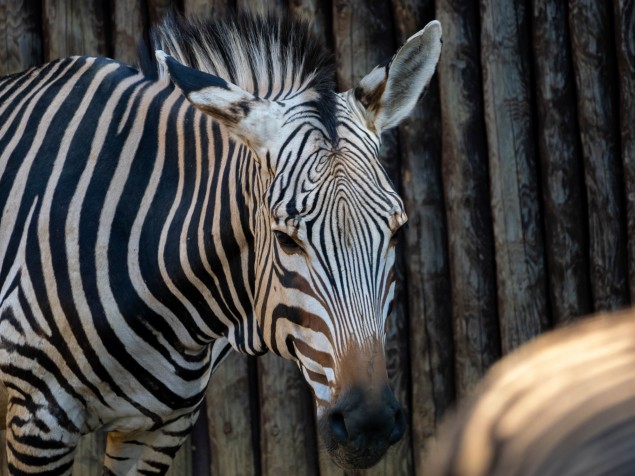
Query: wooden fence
[517, 169]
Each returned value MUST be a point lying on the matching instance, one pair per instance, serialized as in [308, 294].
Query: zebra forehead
[338, 185]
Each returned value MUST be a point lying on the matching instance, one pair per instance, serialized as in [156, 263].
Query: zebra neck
[209, 246]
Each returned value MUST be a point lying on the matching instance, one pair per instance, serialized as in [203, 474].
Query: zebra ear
[252, 119]
[390, 91]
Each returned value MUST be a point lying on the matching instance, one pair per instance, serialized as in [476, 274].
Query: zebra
[561, 405]
[224, 197]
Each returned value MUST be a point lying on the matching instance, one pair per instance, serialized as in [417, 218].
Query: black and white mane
[272, 57]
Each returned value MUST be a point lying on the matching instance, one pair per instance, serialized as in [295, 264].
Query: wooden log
[262, 7]
[466, 190]
[74, 28]
[182, 463]
[89, 460]
[157, 9]
[364, 36]
[287, 434]
[4, 470]
[624, 14]
[561, 163]
[201, 461]
[230, 419]
[593, 61]
[127, 30]
[318, 15]
[427, 267]
[520, 266]
[208, 8]
[4, 400]
[20, 36]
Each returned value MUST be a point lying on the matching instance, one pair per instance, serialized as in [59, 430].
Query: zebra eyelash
[287, 242]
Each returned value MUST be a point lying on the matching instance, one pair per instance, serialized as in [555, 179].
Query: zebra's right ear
[253, 119]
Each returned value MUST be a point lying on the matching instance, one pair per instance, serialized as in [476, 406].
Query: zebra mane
[271, 56]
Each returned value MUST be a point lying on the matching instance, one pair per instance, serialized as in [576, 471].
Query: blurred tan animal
[561, 405]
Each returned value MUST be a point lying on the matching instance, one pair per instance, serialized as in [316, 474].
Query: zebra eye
[286, 241]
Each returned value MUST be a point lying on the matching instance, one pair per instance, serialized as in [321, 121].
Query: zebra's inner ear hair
[390, 91]
[252, 119]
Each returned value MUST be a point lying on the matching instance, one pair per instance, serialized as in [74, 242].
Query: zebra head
[325, 219]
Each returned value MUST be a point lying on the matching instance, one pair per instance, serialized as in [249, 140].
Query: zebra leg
[39, 438]
[146, 452]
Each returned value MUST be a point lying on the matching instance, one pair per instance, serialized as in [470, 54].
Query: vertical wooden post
[157, 9]
[128, 28]
[20, 36]
[427, 267]
[230, 419]
[182, 464]
[208, 8]
[520, 262]
[317, 13]
[593, 60]
[89, 460]
[467, 195]
[74, 28]
[262, 7]
[624, 14]
[561, 163]
[4, 470]
[287, 435]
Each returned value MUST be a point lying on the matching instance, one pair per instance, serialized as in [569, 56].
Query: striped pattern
[148, 229]
[562, 405]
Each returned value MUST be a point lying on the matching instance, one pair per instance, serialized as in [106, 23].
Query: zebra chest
[98, 375]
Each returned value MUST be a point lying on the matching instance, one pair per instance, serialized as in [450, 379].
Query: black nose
[366, 423]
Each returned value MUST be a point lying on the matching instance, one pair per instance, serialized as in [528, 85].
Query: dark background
[518, 173]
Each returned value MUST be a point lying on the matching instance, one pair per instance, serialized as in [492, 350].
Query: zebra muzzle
[360, 427]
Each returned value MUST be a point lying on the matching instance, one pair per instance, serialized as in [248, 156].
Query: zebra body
[148, 229]
[87, 335]
[561, 405]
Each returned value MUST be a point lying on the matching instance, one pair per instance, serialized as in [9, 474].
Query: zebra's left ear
[253, 119]
[390, 91]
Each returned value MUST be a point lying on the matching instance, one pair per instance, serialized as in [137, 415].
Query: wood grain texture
[466, 191]
[157, 9]
[201, 460]
[89, 460]
[262, 7]
[20, 35]
[593, 60]
[624, 15]
[515, 195]
[208, 8]
[287, 433]
[230, 420]
[561, 163]
[318, 14]
[74, 27]
[427, 267]
[182, 463]
[127, 29]
[4, 470]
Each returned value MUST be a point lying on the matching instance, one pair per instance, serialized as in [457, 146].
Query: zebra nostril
[338, 426]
